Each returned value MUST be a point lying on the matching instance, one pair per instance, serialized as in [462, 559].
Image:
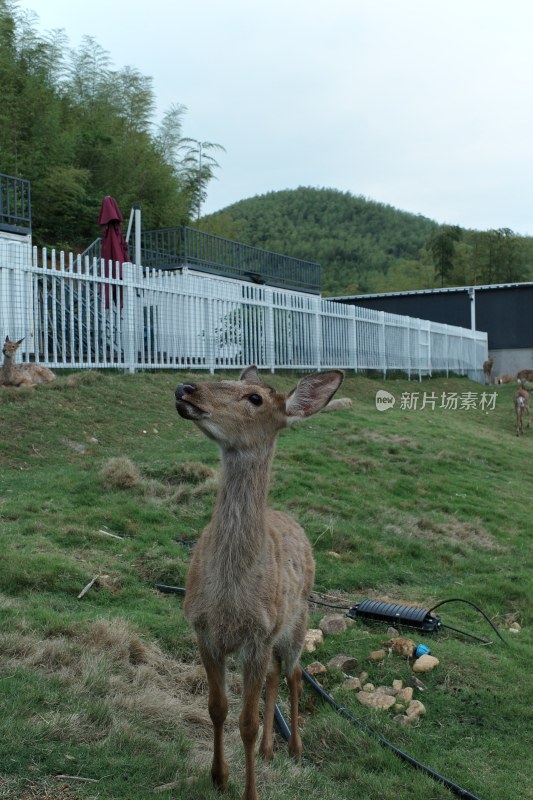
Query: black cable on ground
[161, 587]
[429, 624]
[458, 790]
[469, 602]
[281, 725]
[328, 605]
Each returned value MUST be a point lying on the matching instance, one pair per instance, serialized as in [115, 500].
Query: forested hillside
[365, 246]
[356, 241]
[78, 129]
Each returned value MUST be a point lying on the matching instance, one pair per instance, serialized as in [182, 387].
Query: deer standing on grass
[487, 369]
[521, 406]
[252, 569]
[12, 374]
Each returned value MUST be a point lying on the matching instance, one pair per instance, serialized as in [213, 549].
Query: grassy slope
[417, 506]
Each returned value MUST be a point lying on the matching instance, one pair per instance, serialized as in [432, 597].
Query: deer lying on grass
[525, 375]
[252, 569]
[487, 369]
[521, 406]
[12, 374]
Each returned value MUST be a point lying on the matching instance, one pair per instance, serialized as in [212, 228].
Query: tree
[442, 248]
[499, 255]
[196, 169]
[79, 129]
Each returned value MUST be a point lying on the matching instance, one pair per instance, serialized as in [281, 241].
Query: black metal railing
[15, 205]
[172, 248]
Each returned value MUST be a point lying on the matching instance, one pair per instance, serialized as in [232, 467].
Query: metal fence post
[128, 316]
[318, 333]
[269, 329]
[210, 333]
[382, 350]
[353, 339]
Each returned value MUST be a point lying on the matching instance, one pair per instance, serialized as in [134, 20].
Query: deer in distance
[12, 374]
[252, 568]
[487, 369]
[521, 406]
[524, 375]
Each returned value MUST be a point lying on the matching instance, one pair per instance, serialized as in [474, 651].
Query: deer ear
[312, 393]
[20, 341]
[251, 375]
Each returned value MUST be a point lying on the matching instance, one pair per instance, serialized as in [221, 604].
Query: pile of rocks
[399, 696]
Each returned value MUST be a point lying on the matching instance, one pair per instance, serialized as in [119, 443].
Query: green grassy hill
[365, 246]
[103, 696]
[355, 240]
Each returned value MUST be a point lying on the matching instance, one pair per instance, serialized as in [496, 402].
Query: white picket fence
[73, 315]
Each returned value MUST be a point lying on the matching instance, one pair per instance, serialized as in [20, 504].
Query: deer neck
[8, 368]
[239, 521]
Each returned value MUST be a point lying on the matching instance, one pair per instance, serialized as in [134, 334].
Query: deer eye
[255, 399]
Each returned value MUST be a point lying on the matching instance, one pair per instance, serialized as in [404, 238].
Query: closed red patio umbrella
[114, 245]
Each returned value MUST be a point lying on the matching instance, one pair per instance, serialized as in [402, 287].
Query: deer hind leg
[266, 748]
[218, 711]
[294, 682]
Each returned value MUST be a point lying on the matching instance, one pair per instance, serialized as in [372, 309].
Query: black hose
[161, 587]
[281, 725]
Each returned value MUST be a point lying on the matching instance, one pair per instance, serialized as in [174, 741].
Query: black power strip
[381, 611]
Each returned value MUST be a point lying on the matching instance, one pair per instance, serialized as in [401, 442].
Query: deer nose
[183, 389]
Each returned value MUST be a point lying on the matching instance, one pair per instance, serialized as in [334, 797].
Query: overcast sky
[425, 105]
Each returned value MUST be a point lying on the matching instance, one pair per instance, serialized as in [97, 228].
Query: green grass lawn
[416, 505]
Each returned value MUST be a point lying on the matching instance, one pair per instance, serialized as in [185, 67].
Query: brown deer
[521, 406]
[252, 569]
[524, 375]
[12, 374]
[487, 369]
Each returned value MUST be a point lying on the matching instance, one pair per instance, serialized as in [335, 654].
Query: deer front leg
[294, 682]
[218, 711]
[266, 748]
[253, 678]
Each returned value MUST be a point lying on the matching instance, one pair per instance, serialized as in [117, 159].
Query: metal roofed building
[503, 310]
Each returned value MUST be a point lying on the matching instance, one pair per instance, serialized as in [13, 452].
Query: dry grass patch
[360, 464]
[136, 682]
[391, 439]
[173, 485]
[41, 791]
[451, 530]
[120, 473]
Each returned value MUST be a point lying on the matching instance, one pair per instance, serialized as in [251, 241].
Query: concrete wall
[511, 361]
